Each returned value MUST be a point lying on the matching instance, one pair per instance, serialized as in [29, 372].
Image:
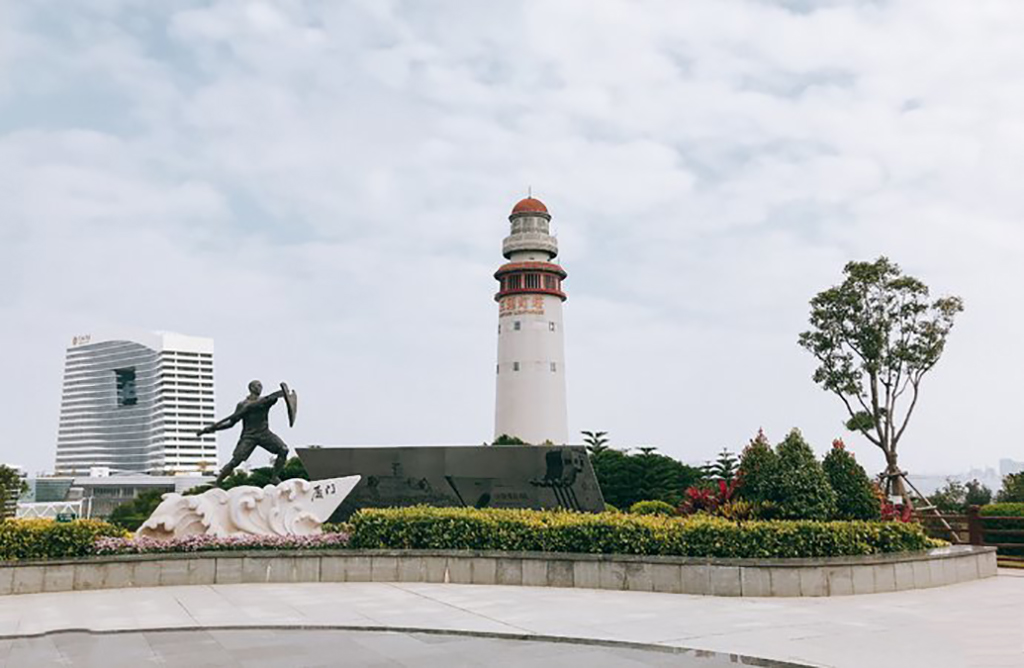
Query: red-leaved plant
[896, 512]
[708, 499]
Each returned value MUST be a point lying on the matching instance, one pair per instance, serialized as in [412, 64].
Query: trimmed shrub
[423, 527]
[1002, 509]
[652, 508]
[46, 539]
[855, 495]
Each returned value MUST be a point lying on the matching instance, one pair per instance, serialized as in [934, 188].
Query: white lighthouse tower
[531, 355]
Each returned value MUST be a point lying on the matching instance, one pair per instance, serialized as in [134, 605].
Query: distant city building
[1008, 466]
[48, 489]
[530, 397]
[99, 496]
[132, 404]
[931, 483]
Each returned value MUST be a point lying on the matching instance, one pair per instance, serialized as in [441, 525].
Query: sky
[322, 187]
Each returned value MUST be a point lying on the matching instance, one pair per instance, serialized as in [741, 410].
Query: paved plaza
[977, 624]
[309, 648]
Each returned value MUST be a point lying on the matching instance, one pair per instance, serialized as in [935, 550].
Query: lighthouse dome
[529, 205]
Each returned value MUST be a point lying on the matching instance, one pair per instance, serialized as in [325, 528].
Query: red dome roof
[529, 205]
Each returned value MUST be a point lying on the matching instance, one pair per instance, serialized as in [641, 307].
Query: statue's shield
[291, 400]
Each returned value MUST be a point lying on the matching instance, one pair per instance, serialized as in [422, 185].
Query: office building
[131, 403]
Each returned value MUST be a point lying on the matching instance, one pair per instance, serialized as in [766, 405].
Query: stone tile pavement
[974, 624]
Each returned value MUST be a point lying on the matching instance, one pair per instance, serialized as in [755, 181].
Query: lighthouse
[530, 398]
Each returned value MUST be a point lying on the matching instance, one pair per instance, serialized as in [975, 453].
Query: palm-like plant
[597, 441]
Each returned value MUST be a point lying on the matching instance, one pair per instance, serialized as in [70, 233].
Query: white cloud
[323, 188]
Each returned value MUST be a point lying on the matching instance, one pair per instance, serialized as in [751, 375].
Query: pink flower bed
[215, 544]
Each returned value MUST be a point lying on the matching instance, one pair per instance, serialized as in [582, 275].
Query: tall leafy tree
[977, 494]
[596, 441]
[12, 486]
[1013, 489]
[875, 337]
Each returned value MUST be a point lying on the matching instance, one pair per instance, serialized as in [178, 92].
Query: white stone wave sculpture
[293, 508]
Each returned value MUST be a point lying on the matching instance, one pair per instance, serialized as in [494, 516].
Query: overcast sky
[323, 187]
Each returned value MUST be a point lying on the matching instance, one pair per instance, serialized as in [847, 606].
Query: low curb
[832, 576]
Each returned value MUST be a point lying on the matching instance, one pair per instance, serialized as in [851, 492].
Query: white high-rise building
[132, 403]
[530, 402]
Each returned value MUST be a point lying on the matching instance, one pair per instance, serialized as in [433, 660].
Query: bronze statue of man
[253, 411]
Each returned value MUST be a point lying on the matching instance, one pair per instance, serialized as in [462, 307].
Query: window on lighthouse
[515, 366]
[551, 326]
[517, 325]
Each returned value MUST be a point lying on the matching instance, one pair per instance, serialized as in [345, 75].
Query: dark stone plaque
[515, 476]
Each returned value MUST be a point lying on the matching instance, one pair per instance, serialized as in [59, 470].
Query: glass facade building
[132, 404]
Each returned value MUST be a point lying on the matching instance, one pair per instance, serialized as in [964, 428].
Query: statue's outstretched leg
[242, 451]
[228, 469]
[273, 443]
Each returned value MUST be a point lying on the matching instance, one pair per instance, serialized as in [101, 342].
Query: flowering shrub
[216, 544]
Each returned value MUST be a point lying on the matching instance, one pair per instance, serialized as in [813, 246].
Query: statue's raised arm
[226, 423]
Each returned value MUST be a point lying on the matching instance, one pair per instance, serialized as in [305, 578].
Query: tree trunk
[894, 479]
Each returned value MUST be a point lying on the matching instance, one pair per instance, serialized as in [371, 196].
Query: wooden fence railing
[973, 528]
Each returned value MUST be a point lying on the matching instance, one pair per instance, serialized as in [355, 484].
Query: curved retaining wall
[835, 576]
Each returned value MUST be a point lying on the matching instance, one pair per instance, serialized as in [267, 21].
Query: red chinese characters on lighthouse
[521, 305]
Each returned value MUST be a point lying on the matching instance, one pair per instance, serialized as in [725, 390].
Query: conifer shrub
[757, 470]
[799, 488]
[855, 495]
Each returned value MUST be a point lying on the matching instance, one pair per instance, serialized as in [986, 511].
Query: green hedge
[46, 539]
[697, 536]
[1004, 510]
